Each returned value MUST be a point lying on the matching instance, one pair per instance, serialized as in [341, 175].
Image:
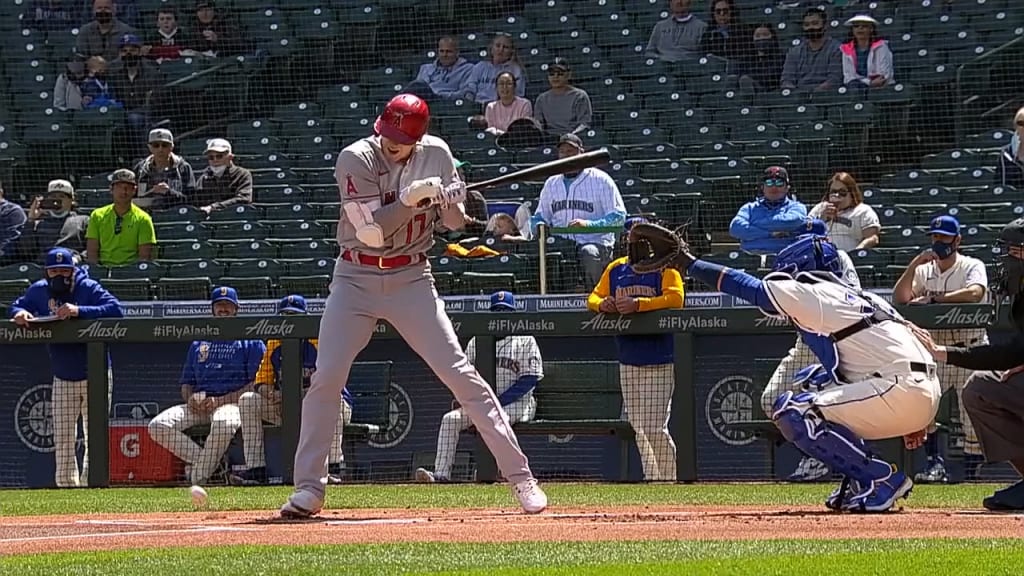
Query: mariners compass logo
[33, 420]
[731, 401]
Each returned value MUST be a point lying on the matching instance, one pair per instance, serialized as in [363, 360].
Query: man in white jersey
[942, 275]
[590, 199]
[395, 186]
[875, 380]
[809, 469]
[519, 368]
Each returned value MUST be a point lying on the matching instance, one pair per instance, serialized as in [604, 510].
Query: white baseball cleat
[302, 504]
[531, 497]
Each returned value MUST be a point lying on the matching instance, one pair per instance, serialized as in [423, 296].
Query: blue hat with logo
[814, 227]
[130, 40]
[60, 258]
[292, 303]
[945, 225]
[224, 294]
[630, 222]
[503, 301]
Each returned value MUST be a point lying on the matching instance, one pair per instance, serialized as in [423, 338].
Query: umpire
[994, 395]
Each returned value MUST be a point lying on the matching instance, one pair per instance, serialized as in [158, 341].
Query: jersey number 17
[418, 221]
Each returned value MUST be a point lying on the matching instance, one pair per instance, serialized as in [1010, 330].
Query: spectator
[67, 90]
[135, 84]
[222, 184]
[762, 66]
[508, 108]
[127, 11]
[50, 16]
[852, 224]
[100, 37]
[646, 362]
[53, 223]
[1011, 160]
[505, 228]
[215, 375]
[12, 224]
[943, 275]
[264, 405]
[867, 60]
[165, 179]
[120, 233]
[95, 89]
[445, 77]
[67, 292]
[817, 62]
[767, 225]
[563, 109]
[164, 43]
[482, 85]
[212, 32]
[586, 199]
[677, 37]
[727, 37]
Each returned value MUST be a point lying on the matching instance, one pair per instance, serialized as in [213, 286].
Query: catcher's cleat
[884, 495]
[840, 497]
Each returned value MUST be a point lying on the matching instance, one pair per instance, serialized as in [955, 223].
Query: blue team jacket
[755, 222]
[93, 301]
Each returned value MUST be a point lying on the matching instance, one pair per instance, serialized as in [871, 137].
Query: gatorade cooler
[136, 459]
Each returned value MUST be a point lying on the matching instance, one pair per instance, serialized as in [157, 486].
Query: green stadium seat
[311, 278]
[893, 215]
[221, 232]
[181, 231]
[96, 272]
[184, 250]
[670, 170]
[457, 266]
[12, 289]
[129, 289]
[330, 211]
[812, 132]
[736, 259]
[304, 249]
[236, 213]
[24, 271]
[256, 268]
[245, 250]
[298, 231]
[249, 288]
[478, 283]
[139, 270]
[288, 213]
[279, 194]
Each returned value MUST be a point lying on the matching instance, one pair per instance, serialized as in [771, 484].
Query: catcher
[874, 380]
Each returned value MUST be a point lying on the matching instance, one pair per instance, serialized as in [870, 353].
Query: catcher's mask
[809, 253]
[1009, 275]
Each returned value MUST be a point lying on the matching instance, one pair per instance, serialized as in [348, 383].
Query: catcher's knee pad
[833, 444]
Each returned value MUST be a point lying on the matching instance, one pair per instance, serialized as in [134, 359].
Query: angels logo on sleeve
[350, 186]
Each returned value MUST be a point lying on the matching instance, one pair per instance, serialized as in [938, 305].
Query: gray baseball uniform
[393, 283]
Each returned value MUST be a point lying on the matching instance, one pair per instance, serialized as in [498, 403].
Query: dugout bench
[369, 384]
[574, 397]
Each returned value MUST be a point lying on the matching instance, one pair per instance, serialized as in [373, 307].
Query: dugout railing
[720, 326]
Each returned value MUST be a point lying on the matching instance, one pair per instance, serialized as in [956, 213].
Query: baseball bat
[546, 169]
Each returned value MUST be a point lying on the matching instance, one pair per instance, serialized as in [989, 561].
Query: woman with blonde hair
[852, 224]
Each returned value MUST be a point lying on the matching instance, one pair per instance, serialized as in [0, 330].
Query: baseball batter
[215, 375]
[264, 405]
[646, 363]
[395, 186]
[809, 469]
[874, 379]
[944, 276]
[67, 292]
[519, 368]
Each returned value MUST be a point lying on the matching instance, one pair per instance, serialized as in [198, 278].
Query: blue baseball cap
[224, 294]
[59, 258]
[503, 301]
[630, 222]
[292, 303]
[945, 225]
[129, 40]
[814, 227]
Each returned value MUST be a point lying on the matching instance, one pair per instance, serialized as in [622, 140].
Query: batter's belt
[380, 261]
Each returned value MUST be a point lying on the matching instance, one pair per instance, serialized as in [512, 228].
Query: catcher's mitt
[652, 248]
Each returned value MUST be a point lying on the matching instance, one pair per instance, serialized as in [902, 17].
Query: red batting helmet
[404, 119]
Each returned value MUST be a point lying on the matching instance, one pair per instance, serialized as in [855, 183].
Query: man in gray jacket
[816, 63]
[678, 36]
[101, 37]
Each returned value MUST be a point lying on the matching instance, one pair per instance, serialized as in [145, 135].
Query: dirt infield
[38, 534]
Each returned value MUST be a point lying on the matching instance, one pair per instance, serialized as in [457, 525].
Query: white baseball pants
[647, 398]
[457, 420]
[69, 400]
[168, 430]
[254, 410]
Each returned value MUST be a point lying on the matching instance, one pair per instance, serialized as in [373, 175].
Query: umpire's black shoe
[1008, 499]
[251, 477]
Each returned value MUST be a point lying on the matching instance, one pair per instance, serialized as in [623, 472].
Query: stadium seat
[304, 230]
[311, 278]
[130, 289]
[669, 170]
[12, 289]
[184, 250]
[139, 270]
[288, 213]
[736, 259]
[236, 213]
[304, 249]
[221, 232]
[25, 271]
[245, 250]
[279, 194]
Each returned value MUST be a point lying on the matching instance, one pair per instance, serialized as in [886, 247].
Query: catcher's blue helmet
[809, 253]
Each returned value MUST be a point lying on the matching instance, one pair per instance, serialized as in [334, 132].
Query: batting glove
[420, 192]
[452, 194]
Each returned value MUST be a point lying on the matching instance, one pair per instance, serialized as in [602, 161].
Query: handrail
[542, 238]
[958, 121]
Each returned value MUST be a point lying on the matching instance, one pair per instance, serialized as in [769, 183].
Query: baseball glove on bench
[653, 248]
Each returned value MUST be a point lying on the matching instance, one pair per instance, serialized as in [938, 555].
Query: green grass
[145, 500]
[783, 557]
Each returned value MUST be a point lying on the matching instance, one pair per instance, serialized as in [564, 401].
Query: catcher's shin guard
[834, 444]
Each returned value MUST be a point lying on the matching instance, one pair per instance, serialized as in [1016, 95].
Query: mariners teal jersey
[220, 367]
[652, 291]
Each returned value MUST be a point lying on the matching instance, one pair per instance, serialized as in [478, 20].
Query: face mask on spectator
[943, 250]
[104, 17]
[218, 170]
[60, 285]
[58, 213]
[762, 44]
[131, 59]
[814, 33]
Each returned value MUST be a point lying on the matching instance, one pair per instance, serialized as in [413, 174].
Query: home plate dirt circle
[37, 534]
